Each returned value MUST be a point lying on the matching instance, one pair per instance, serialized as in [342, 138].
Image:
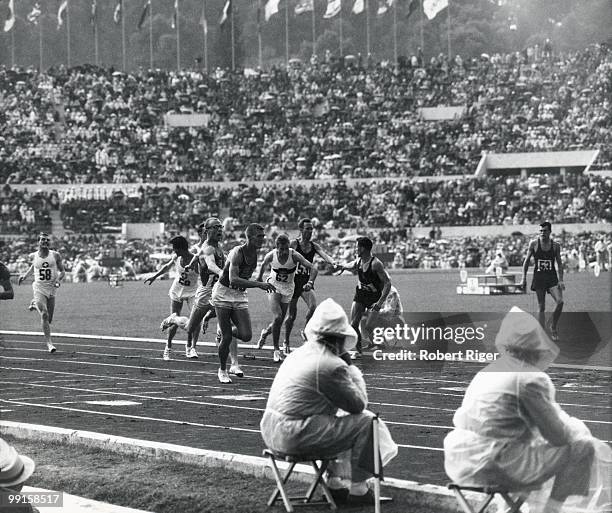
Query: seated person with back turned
[15, 470]
[313, 383]
[511, 433]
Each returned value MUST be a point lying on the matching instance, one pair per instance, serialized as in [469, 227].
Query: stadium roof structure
[536, 162]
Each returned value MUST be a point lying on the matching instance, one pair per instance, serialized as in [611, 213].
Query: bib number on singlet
[183, 280]
[301, 269]
[283, 278]
[544, 265]
[44, 274]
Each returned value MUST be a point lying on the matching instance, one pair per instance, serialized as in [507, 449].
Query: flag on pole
[431, 8]
[333, 8]
[117, 13]
[304, 6]
[144, 14]
[358, 6]
[204, 22]
[34, 14]
[227, 9]
[93, 17]
[60, 13]
[10, 18]
[383, 6]
[174, 14]
[270, 8]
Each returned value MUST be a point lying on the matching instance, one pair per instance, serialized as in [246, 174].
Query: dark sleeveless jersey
[544, 273]
[369, 281]
[245, 267]
[303, 273]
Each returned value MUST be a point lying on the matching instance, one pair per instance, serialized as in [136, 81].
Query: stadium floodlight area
[552, 162]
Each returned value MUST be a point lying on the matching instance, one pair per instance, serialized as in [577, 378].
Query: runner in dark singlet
[372, 288]
[546, 253]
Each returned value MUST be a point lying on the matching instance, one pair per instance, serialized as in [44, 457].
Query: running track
[182, 402]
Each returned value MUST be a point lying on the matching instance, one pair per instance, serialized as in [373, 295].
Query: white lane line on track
[139, 396]
[125, 416]
[243, 346]
[605, 407]
[136, 367]
[165, 382]
[404, 446]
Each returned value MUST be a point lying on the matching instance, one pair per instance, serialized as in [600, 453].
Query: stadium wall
[542, 161]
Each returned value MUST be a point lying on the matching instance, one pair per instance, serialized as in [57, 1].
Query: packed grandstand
[344, 144]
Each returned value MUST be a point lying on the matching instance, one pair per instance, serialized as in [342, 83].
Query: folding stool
[490, 491]
[293, 460]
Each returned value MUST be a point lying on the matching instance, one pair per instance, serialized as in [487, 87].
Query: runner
[283, 262]
[308, 249]
[230, 298]
[372, 288]
[546, 253]
[210, 261]
[390, 314]
[48, 272]
[181, 291]
[5, 283]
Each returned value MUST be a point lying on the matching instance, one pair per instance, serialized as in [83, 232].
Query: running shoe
[192, 353]
[278, 356]
[236, 370]
[167, 354]
[50, 347]
[223, 376]
[32, 305]
[262, 338]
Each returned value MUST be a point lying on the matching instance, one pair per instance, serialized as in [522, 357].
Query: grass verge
[156, 485]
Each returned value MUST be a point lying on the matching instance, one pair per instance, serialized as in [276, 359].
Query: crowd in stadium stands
[315, 120]
[382, 204]
[23, 212]
[84, 255]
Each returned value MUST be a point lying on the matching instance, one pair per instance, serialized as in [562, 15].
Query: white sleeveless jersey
[185, 283]
[45, 271]
[281, 275]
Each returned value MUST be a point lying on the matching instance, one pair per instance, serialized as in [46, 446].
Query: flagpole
[95, 29]
[205, 29]
[367, 10]
[68, 59]
[232, 36]
[421, 27]
[123, 57]
[40, 45]
[178, 37]
[259, 42]
[340, 30]
[395, 32]
[314, 32]
[13, 46]
[151, 34]
[287, 34]
[448, 29]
